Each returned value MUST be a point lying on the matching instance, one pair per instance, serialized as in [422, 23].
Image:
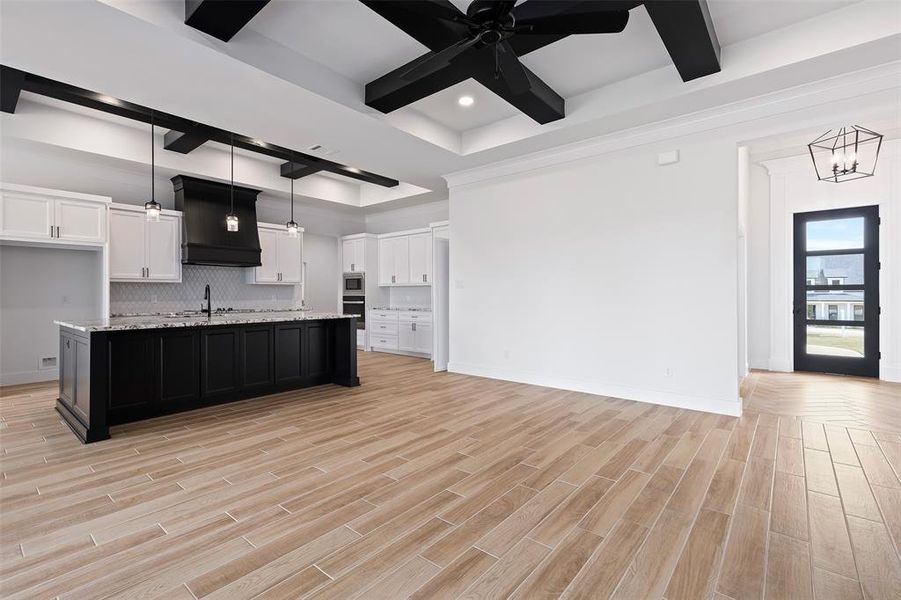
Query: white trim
[30, 189]
[276, 227]
[890, 373]
[21, 377]
[139, 209]
[392, 234]
[439, 224]
[723, 406]
[883, 78]
[358, 236]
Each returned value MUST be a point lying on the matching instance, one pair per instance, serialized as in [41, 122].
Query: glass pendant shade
[152, 211]
[231, 222]
[848, 154]
[293, 229]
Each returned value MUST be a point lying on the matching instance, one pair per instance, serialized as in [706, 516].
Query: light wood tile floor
[446, 486]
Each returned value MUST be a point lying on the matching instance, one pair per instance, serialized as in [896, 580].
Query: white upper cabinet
[79, 221]
[127, 240]
[142, 250]
[289, 257]
[267, 272]
[421, 258]
[30, 213]
[281, 257]
[164, 249]
[26, 215]
[353, 254]
[405, 258]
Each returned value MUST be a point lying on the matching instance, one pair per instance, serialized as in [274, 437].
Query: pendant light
[847, 154]
[152, 209]
[291, 226]
[231, 219]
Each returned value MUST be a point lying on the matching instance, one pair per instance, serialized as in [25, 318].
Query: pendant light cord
[152, 162]
[292, 187]
[233, 174]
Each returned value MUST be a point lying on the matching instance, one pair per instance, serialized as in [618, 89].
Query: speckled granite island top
[181, 320]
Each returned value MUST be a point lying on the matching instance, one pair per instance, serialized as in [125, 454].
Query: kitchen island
[124, 369]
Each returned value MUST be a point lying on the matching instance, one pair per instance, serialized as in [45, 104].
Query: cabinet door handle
[393, 277]
[57, 231]
[67, 343]
[51, 231]
[148, 272]
[352, 265]
[414, 326]
[424, 280]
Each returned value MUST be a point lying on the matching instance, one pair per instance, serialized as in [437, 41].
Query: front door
[836, 291]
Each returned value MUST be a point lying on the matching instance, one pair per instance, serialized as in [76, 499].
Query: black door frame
[868, 366]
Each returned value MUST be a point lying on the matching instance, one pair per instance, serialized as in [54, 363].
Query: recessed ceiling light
[465, 100]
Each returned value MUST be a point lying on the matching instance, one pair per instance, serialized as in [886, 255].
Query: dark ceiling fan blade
[511, 70]
[439, 60]
[580, 21]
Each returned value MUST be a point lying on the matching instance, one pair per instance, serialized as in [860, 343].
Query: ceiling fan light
[152, 211]
[466, 101]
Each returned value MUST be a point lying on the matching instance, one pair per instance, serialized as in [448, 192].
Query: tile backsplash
[228, 285]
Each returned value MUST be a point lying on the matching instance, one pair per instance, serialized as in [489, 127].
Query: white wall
[411, 217]
[37, 286]
[323, 275]
[608, 274]
[789, 186]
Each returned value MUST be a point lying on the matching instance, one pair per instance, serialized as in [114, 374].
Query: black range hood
[205, 240]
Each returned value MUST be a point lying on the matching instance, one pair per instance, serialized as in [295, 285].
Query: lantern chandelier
[851, 153]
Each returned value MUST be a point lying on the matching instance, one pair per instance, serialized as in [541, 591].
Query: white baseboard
[890, 373]
[21, 377]
[713, 405]
[783, 365]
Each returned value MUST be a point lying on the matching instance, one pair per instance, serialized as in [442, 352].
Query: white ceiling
[352, 40]
[295, 77]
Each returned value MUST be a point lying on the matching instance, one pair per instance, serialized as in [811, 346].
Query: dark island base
[113, 377]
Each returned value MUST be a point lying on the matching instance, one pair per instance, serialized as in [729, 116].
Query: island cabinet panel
[179, 368]
[319, 351]
[131, 382]
[219, 362]
[258, 358]
[120, 376]
[289, 353]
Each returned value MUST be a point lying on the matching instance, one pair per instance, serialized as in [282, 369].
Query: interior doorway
[836, 291]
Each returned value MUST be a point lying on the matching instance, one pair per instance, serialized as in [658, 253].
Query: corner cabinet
[281, 257]
[142, 250]
[405, 258]
[31, 214]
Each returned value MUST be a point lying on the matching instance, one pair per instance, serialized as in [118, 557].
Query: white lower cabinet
[400, 331]
[142, 250]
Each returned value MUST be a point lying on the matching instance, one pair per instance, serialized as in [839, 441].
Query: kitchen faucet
[209, 302]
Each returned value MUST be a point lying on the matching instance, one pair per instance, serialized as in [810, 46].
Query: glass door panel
[836, 287]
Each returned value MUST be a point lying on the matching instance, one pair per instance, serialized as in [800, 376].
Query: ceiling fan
[492, 23]
[486, 42]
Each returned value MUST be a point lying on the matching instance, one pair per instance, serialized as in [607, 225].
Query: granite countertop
[173, 320]
[419, 309]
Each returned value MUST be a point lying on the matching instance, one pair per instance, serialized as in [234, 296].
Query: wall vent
[48, 362]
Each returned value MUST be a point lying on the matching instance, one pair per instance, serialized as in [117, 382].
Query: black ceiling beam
[185, 142]
[129, 110]
[221, 19]
[295, 170]
[687, 32]
[11, 81]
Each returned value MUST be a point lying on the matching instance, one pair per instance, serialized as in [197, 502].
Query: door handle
[424, 280]
[51, 231]
[57, 231]
[414, 326]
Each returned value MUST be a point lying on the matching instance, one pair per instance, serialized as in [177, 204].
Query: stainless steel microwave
[354, 284]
